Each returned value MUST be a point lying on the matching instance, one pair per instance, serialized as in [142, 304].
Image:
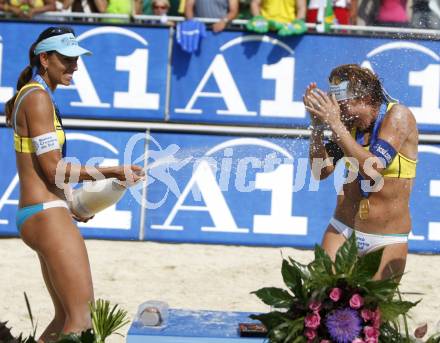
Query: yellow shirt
[182, 7]
[119, 7]
[282, 11]
[25, 5]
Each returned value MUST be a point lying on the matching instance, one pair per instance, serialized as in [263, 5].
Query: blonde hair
[166, 2]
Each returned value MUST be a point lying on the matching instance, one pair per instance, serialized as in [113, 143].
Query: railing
[201, 128]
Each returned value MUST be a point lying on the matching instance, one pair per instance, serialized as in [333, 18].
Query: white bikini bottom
[367, 242]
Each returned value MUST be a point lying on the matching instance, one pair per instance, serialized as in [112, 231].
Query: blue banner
[107, 148]
[103, 148]
[241, 78]
[235, 77]
[254, 191]
[221, 189]
[9, 190]
[425, 201]
[125, 78]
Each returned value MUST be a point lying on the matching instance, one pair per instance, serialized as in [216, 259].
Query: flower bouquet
[336, 302]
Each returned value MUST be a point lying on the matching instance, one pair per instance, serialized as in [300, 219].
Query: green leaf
[295, 330]
[391, 310]
[384, 290]
[367, 266]
[279, 333]
[319, 278]
[346, 256]
[292, 278]
[322, 257]
[105, 321]
[389, 333]
[69, 338]
[269, 320]
[301, 267]
[87, 336]
[434, 338]
[275, 297]
[321, 271]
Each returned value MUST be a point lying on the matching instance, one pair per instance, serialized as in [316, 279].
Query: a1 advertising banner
[107, 148]
[9, 191]
[425, 201]
[235, 77]
[255, 191]
[242, 78]
[125, 78]
[221, 189]
[93, 148]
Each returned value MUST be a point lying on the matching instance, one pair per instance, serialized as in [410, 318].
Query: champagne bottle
[96, 196]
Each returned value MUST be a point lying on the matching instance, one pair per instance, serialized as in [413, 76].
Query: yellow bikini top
[400, 167]
[24, 144]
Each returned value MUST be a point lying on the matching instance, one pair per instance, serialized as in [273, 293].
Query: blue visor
[65, 44]
[341, 91]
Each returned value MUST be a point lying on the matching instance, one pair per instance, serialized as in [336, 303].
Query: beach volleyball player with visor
[376, 138]
[44, 219]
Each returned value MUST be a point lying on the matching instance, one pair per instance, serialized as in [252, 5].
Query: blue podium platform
[185, 326]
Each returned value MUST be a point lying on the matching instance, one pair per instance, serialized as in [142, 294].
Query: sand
[187, 276]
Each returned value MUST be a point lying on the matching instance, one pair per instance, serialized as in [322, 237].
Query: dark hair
[362, 81]
[34, 61]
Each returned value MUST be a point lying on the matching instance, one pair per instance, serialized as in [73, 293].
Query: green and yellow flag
[326, 17]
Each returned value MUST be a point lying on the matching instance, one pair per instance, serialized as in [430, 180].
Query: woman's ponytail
[24, 78]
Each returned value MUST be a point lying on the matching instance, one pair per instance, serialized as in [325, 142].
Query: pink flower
[310, 334]
[335, 294]
[358, 340]
[371, 340]
[315, 306]
[366, 314]
[356, 301]
[312, 320]
[371, 334]
[376, 319]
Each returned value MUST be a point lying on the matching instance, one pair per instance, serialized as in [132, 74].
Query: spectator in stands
[367, 11]
[345, 11]
[161, 8]
[85, 6]
[426, 14]
[28, 8]
[392, 13]
[146, 7]
[244, 9]
[63, 5]
[284, 16]
[225, 10]
[7, 8]
[115, 7]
